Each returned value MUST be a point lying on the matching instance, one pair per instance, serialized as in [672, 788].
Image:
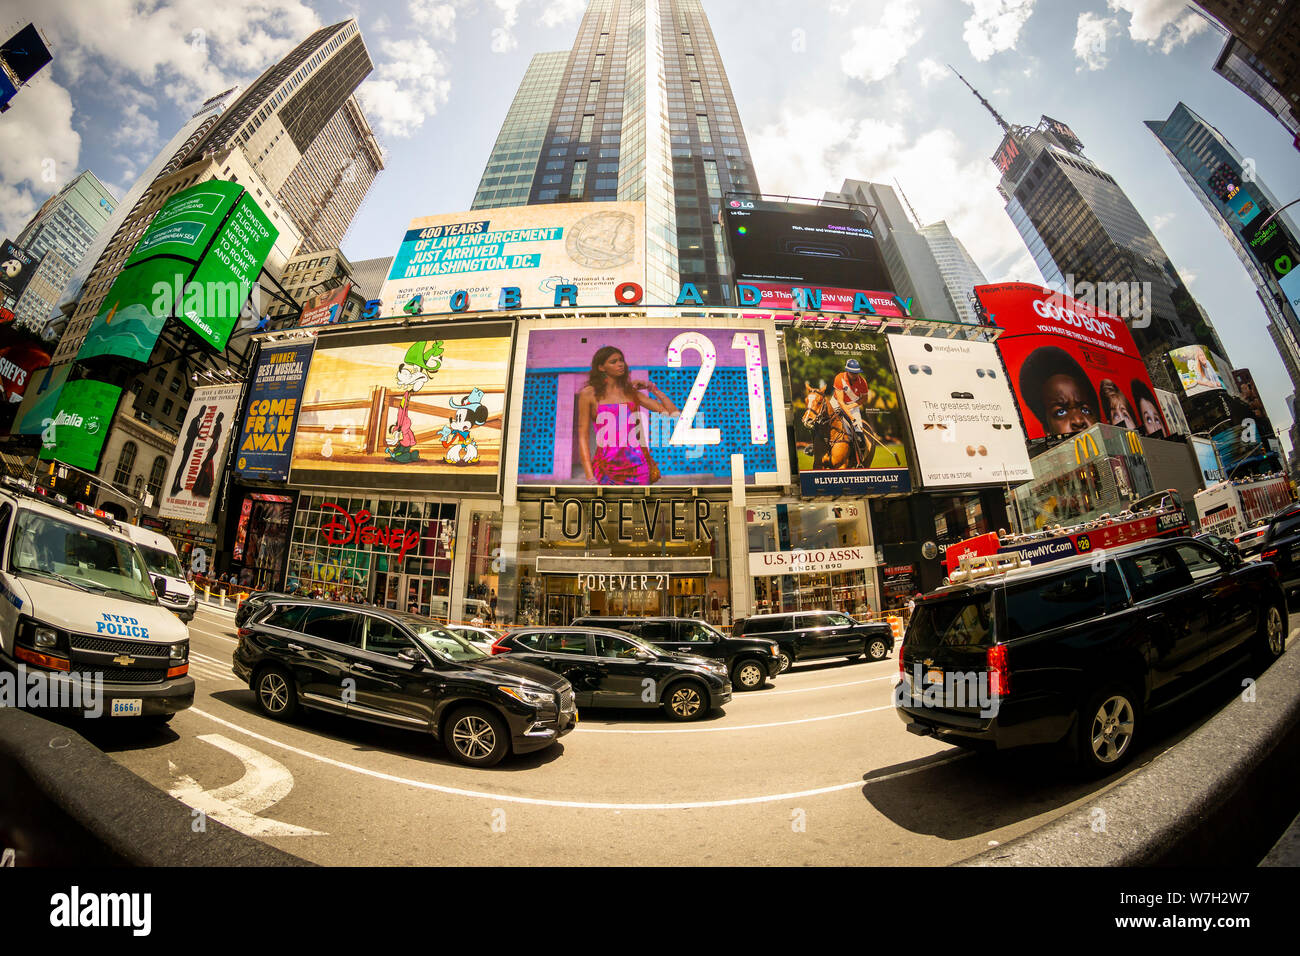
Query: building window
[125, 462]
[587, 122]
[702, 126]
[152, 398]
[711, 179]
[579, 183]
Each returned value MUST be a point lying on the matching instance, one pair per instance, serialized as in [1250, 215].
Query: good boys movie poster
[195, 471]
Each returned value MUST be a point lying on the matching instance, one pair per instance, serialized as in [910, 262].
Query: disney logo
[354, 529]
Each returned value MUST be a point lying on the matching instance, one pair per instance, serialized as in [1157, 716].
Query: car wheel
[877, 649]
[275, 694]
[785, 662]
[476, 736]
[1107, 728]
[686, 701]
[1272, 635]
[748, 675]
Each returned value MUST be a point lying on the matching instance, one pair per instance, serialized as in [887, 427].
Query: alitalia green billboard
[197, 262]
[80, 425]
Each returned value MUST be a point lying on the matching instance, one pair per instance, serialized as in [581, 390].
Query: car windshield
[79, 557]
[440, 641]
[161, 562]
[642, 645]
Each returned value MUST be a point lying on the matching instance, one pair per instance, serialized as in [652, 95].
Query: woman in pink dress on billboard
[610, 404]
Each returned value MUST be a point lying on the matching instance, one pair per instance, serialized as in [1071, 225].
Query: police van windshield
[79, 557]
[161, 562]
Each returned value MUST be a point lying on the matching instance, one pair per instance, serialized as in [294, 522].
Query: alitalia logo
[72, 420]
[67, 418]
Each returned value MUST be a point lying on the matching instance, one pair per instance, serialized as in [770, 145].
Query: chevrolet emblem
[124, 660]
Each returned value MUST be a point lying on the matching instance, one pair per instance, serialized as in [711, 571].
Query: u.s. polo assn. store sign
[810, 561]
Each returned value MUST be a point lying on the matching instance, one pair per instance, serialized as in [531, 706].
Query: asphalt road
[814, 769]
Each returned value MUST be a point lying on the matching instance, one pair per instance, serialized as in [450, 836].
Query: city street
[814, 769]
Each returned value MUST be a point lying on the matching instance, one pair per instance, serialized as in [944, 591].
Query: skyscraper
[1081, 227]
[1262, 54]
[642, 111]
[69, 220]
[960, 272]
[1239, 205]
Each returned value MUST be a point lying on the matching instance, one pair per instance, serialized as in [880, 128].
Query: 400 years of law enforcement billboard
[266, 434]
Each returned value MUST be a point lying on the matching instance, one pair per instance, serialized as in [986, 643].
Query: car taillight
[498, 647]
[999, 675]
[902, 671]
[243, 632]
[1269, 554]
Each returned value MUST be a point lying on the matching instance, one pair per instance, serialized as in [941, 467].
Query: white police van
[79, 616]
[176, 594]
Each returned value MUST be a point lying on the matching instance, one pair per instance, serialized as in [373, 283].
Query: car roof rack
[28, 489]
[974, 567]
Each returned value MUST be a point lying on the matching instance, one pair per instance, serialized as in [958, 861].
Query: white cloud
[931, 70]
[876, 50]
[1161, 220]
[994, 25]
[405, 89]
[944, 177]
[1162, 23]
[46, 154]
[434, 15]
[1091, 39]
[558, 12]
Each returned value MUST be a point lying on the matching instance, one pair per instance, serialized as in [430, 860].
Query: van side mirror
[160, 585]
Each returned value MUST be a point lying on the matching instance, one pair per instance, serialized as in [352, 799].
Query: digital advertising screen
[961, 411]
[1273, 246]
[1071, 365]
[410, 408]
[195, 470]
[595, 247]
[1172, 409]
[271, 411]
[1249, 393]
[681, 403]
[25, 53]
[76, 434]
[803, 245]
[325, 309]
[848, 424]
[20, 358]
[1200, 370]
[40, 401]
[17, 266]
[1238, 446]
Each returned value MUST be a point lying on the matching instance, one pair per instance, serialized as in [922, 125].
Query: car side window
[1154, 574]
[838, 620]
[696, 633]
[1069, 598]
[287, 616]
[385, 637]
[1201, 564]
[611, 645]
[654, 631]
[332, 624]
[1284, 527]
[554, 642]
[812, 620]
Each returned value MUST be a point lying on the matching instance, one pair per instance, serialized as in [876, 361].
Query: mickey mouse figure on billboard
[461, 447]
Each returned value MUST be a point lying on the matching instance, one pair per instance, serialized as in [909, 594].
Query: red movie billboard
[1071, 365]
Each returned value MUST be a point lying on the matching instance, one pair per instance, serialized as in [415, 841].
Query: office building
[1261, 56]
[642, 111]
[313, 276]
[68, 221]
[960, 273]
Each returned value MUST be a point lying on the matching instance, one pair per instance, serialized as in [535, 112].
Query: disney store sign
[356, 529]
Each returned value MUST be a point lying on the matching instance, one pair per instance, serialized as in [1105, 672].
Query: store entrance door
[408, 592]
[561, 608]
[688, 605]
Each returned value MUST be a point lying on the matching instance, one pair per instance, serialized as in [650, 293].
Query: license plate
[934, 676]
[127, 708]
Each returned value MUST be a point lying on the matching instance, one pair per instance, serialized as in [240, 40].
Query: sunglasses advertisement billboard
[671, 404]
[592, 247]
[963, 416]
[76, 434]
[1071, 365]
[410, 408]
[266, 434]
[848, 426]
[198, 260]
[200, 455]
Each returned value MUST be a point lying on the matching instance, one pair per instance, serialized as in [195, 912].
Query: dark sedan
[614, 669]
[750, 661]
[404, 671]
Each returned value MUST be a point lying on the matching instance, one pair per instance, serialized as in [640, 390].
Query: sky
[826, 91]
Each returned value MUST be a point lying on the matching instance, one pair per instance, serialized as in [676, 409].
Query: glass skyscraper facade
[641, 111]
[960, 272]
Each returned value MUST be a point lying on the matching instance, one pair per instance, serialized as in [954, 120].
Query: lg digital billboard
[195, 471]
[271, 411]
[961, 411]
[681, 402]
[800, 245]
[848, 425]
[408, 408]
[40, 401]
[75, 435]
[1200, 370]
[1071, 365]
[592, 247]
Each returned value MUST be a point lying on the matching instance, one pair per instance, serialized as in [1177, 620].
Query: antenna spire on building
[899, 186]
[1006, 127]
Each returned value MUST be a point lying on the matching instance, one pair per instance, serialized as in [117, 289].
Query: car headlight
[527, 695]
[716, 668]
[45, 638]
[178, 652]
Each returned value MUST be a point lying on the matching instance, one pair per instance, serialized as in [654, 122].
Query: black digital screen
[811, 245]
[25, 53]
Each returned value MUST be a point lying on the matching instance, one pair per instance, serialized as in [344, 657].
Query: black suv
[1281, 545]
[810, 635]
[404, 671]
[750, 661]
[257, 602]
[614, 669]
[1082, 650]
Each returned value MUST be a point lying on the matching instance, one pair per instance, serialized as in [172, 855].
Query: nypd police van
[160, 558]
[79, 614]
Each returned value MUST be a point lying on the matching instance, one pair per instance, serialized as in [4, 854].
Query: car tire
[877, 649]
[748, 674]
[476, 736]
[686, 700]
[786, 662]
[1106, 730]
[275, 693]
[1271, 640]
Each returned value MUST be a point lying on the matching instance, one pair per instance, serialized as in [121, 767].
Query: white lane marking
[220, 637]
[715, 730]
[195, 656]
[761, 695]
[533, 801]
[265, 782]
[204, 674]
